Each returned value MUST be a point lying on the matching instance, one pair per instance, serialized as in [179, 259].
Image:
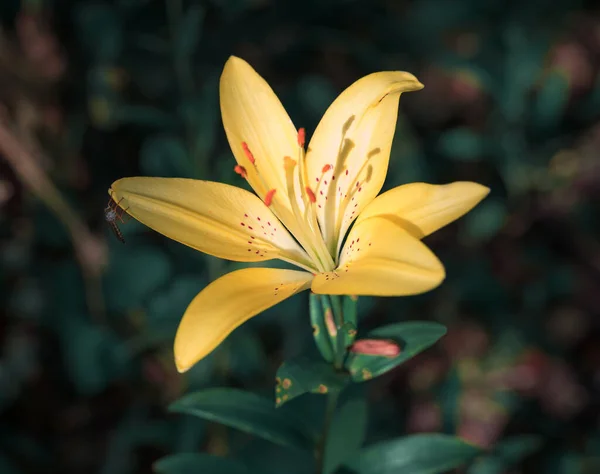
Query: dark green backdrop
[98, 90]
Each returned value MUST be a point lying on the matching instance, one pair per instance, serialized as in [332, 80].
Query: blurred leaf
[189, 32]
[346, 435]
[551, 101]
[450, 397]
[143, 116]
[416, 454]
[246, 358]
[134, 275]
[589, 108]
[7, 467]
[165, 156]
[526, 51]
[461, 144]
[201, 116]
[316, 94]
[266, 458]
[93, 356]
[565, 462]
[485, 220]
[197, 463]
[170, 304]
[164, 311]
[414, 337]
[506, 454]
[301, 375]
[247, 412]
[99, 30]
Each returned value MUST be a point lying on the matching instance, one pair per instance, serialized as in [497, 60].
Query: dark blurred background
[92, 91]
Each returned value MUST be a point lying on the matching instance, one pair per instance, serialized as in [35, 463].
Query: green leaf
[551, 101]
[506, 454]
[346, 435]
[298, 376]
[165, 156]
[348, 333]
[320, 334]
[413, 337]
[350, 309]
[195, 463]
[461, 144]
[416, 454]
[247, 412]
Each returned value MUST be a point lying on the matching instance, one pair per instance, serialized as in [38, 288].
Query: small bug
[112, 212]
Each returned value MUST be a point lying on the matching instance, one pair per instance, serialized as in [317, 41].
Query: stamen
[310, 194]
[269, 197]
[326, 168]
[288, 163]
[301, 137]
[241, 171]
[248, 152]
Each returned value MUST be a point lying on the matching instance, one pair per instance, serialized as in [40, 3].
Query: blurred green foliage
[102, 89]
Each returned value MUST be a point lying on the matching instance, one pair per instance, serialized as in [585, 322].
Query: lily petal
[252, 114]
[380, 258]
[215, 218]
[425, 208]
[348, 155]
[227, 303]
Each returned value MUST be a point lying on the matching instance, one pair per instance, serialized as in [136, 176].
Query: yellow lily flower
[307, 201]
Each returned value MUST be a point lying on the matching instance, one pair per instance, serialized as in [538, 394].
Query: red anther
[301, 137]
[269, 197]
[241, 171]
[248, 153]
[326, 168]
[310, 194]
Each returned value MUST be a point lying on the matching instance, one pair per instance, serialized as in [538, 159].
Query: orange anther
[269, 196]
[301, 137]
[326, 168]
[248, 153]
[241, 171]
[310, 194]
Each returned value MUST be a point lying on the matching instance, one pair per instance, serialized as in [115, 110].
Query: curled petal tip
[181, 367]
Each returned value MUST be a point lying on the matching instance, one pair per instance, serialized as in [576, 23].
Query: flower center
[302, 200]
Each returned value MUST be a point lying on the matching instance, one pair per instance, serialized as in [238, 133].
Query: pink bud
[376, 347]
[330, 323]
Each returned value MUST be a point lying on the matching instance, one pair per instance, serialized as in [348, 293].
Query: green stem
[332, 399]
